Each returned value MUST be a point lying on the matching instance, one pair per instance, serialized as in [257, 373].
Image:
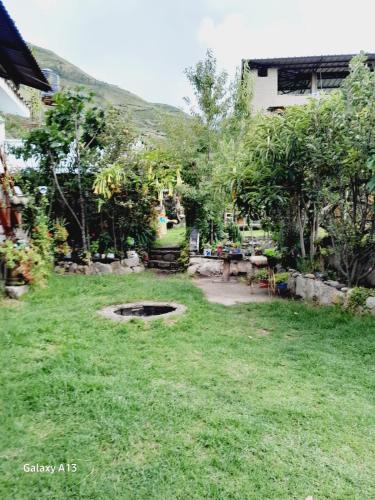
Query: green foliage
[261, 274]
[60, 238]
[310, 167]
[41, 236]
[27, 260]
[67, 148]
[281, 278]
[357, 298]
[233, 231]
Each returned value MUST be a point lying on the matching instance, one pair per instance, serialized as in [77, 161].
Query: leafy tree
[310, 167]
[66, 147]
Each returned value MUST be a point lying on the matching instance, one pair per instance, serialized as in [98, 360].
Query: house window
[263, 72]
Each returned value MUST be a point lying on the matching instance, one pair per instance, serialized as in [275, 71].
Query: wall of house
[10, 102]
[265, 92]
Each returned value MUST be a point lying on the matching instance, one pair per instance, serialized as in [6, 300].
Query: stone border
[109, 312]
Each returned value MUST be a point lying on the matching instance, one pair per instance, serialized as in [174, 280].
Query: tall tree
[66, 147]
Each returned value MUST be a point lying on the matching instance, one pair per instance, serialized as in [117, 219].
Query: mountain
[146, 116]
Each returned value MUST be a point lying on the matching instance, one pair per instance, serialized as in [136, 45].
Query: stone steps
[165, 259]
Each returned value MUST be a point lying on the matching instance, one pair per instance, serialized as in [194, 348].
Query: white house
[281, 82]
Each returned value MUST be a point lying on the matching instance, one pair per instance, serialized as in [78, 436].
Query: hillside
[145, 116]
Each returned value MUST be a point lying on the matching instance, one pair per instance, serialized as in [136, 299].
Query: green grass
[260, 401]
[174, 237]
[254, 233]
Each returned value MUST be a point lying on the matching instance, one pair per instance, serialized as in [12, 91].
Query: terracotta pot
[263, 283]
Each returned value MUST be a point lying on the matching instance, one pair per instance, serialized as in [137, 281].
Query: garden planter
[282, 288]
[110, 256]
[263, 283]
[14, 277]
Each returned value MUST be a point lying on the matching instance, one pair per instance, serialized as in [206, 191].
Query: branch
[61, 192]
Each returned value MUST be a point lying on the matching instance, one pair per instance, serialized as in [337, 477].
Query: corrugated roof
[306, 62]
[16, 60]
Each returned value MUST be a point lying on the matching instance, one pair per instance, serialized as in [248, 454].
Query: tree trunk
[65, 201]
[301, 228]
[81, 200]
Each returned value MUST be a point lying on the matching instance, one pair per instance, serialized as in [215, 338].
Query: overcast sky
[144, 45]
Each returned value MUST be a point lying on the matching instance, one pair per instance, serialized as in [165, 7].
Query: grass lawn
[174, 237]
[259, 401]
[254, 233]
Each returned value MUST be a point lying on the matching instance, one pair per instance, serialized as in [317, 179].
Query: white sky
[144, 45]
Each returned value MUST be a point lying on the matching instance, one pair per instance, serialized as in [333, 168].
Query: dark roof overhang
[16, 60]
[311, 63]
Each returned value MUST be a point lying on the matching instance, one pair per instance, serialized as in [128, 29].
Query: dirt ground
[232, 292]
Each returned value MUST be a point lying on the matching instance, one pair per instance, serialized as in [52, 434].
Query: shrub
[357, 298]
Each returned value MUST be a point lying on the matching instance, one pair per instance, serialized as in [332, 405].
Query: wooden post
[226, 270]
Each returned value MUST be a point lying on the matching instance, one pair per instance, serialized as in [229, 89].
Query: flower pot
[207, 252]
[110, 255]
[263, 283]
[130, 254]
[14, 277]
[282, 286]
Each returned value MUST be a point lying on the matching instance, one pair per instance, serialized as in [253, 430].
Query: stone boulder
[137, 269]
[370, 304]
[118, 268]
[317, 291]
[15, 292]
[100, 268]
[132, 262]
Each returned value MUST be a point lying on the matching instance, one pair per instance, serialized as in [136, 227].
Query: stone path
[232, 292]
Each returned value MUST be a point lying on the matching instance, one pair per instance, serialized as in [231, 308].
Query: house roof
[313, 63]
[16, 60]
[294, 73]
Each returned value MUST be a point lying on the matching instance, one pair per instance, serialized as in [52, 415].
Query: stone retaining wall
[325, 293]
[214, 267]
[125, 266]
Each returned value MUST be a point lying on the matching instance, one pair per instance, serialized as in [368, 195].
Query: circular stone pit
[142, 310]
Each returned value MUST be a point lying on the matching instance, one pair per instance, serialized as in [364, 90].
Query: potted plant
[94, 248]
[110, 253]
[207, 251]
[273, 255]
[281, 281]
[13, 255]
[262, 278]
[130, 242]
[236, 248]
[24, 264]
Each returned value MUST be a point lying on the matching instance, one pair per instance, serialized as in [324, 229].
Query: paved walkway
[232, 292]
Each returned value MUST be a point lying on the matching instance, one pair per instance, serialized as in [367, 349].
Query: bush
[357, 298]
